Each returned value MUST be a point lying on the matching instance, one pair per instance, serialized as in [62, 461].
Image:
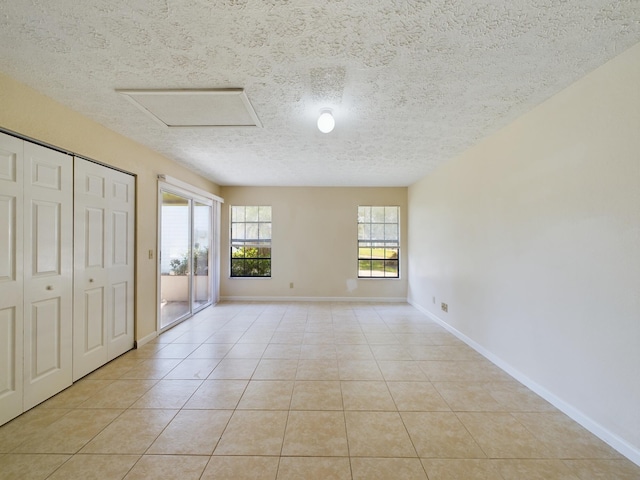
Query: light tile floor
[303, 391]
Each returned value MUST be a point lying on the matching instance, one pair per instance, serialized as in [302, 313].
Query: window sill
[378, 278]
[249, 278]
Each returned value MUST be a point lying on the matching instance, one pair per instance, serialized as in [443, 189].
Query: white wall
[314, 243]
[532, 237]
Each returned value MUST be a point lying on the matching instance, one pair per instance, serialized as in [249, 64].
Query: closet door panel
[48, 198]
[11, 277]
[8, 258]
[103, 265]
[93, 338]
[91, 258]
[46, 249]
[120, 299]
[8, 252]
[46, 327]
[121, 271]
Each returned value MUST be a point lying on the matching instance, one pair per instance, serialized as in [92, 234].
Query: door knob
[91, 280]
[49, 287]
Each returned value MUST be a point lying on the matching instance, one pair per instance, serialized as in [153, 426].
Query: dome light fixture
[326, 122]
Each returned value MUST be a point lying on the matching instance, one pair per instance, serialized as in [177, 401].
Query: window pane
[237, 231]
[364, 268]
[264, 252]
[391, 253]
[377, 214]
[264, 231]
[364, 231]
[368, 215]
[391, 268]
[251, 214]
[364, 252]
[391, 231]
[264, 267]
[247, 265]
[377, 231]
[377, 268]
[252, 231]
[264, 214]
[364, 214]
[237, 267]
[377, 253]
[251, 267]
[237, 214]
[391, 214]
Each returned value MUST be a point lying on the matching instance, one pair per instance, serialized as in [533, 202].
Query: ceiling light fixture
[326, 122]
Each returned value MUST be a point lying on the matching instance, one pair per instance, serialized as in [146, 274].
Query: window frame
[369, 241]
[260, 244]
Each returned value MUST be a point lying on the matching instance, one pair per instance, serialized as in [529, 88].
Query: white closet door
[103, 265]
[121, 271]
[48, 282]
[90, 261]
[11, 277]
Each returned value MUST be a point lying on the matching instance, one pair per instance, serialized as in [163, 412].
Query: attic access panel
[228, 107]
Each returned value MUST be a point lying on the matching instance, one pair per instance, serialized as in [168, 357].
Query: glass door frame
[176, 187]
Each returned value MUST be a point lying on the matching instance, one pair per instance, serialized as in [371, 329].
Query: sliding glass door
[202, 215]
[185, 261]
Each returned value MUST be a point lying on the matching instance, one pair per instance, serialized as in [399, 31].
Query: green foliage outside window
[250, 262]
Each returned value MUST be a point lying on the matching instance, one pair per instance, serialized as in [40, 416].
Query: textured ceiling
[411, 83]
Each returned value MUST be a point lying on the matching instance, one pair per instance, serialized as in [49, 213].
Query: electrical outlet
[444, 306]
[434, 300]
[150, 254]
[291, 285]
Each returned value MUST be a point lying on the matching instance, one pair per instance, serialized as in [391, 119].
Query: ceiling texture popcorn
[410, 83]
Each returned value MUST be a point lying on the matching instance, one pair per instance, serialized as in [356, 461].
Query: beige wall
[532, 237]
[27, 112]
[314, 243]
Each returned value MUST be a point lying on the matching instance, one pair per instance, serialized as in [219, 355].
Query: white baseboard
[315, 299]
[146, 339]
[619, 444]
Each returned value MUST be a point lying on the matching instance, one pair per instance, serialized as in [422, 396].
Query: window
[250, 241]
[378, 242]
